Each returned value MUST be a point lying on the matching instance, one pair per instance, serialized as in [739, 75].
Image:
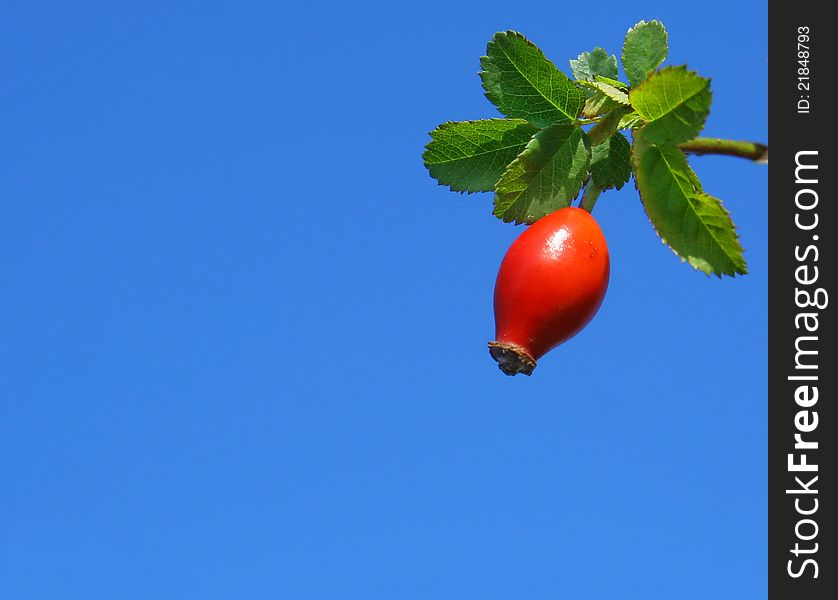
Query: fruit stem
[590, 197]
[750, 150]
[606, 126]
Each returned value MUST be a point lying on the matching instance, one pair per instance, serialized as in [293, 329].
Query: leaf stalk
[606, 126]
[590, 196]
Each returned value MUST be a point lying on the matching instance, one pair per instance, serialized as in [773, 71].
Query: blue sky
[243, 332]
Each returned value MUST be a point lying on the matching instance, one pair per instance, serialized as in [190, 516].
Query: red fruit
[550, 285]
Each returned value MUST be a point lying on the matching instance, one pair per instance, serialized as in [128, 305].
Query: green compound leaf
[644, 49]
[523, 84]
[596, 62]
[695, 225]
[674, 102]
[611, 162]
[470, 156]
[546, 176]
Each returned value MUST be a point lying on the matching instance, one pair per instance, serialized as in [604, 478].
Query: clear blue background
[243, 332]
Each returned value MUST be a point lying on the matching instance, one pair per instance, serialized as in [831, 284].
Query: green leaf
[597, 62]
[522, 83]
[598, 104]
[630, 121]
[695, 225]
[644, 49]
[470, 156]
[612, 82]
[546, 176]
[613, 92]
[674, 102]
[611, 162]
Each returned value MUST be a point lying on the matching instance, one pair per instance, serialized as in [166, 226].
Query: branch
[750, 150]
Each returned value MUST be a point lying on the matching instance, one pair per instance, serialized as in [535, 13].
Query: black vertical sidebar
[802, 263]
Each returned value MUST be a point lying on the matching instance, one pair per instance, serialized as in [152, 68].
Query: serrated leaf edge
[487, 59]
[692, 261]
[641, 23]
[575, 61]
[449, 124]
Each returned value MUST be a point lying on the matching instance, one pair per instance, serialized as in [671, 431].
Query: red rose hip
[550, 285]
